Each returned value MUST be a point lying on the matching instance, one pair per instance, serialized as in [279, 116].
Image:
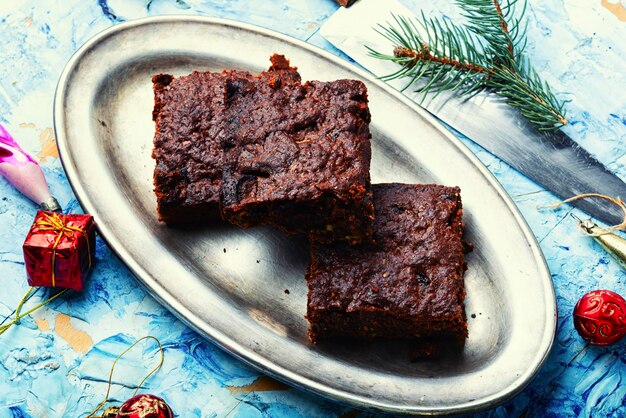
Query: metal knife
[553, 160]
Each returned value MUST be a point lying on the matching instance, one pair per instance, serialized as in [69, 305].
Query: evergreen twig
[485, 54]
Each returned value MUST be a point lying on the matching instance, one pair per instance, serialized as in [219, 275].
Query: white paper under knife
[552, 160]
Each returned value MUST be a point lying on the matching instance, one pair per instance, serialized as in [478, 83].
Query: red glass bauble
[145, 406]
[600, 317]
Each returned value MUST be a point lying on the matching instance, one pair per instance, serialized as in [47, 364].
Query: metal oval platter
[229, 284]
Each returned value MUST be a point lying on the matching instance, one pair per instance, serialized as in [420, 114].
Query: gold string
[54, 222]
[25, 299]
[154, 370]
[19, 315]
[603, 231]
[29, 292]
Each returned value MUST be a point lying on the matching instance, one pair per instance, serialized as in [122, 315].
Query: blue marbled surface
[55, 364]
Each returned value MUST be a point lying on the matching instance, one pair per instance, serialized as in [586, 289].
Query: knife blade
[553, 160]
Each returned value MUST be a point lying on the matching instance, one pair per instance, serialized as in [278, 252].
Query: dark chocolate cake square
[408, 283]
[191, 120]
[297, 156]
[189, 116]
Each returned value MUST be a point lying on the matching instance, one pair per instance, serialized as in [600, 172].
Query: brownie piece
[188, 112]
[297, 156]
[191, 119]
[407, 284]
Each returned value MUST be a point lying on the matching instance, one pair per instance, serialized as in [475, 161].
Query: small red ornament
[600, 317]
[145, 406]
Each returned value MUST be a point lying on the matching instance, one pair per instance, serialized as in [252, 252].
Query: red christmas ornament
[145, 406]
[600, 317]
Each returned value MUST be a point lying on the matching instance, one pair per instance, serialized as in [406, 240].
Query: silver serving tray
[229, 284]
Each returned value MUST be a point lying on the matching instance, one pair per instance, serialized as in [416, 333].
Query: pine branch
[447, 56]
[425, 55]
[486, 19]
[486, 54]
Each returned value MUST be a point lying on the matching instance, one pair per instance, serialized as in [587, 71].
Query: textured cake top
[414, 268]
[295, 142]
[191, 121]
[189, 115]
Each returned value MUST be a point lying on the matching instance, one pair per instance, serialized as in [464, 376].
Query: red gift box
[59, 250]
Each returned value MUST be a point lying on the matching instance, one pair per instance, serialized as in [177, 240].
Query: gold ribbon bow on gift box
[57, 223]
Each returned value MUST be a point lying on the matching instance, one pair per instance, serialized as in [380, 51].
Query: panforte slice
[297, 156]
[191, 120]
[407, 284]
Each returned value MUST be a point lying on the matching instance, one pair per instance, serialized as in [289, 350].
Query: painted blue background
[55, 364]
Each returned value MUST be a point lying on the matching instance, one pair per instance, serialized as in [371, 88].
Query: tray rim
[223, 341]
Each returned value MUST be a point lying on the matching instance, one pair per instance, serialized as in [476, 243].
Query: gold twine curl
[603, 231]
[154, 370]
[19, 315]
